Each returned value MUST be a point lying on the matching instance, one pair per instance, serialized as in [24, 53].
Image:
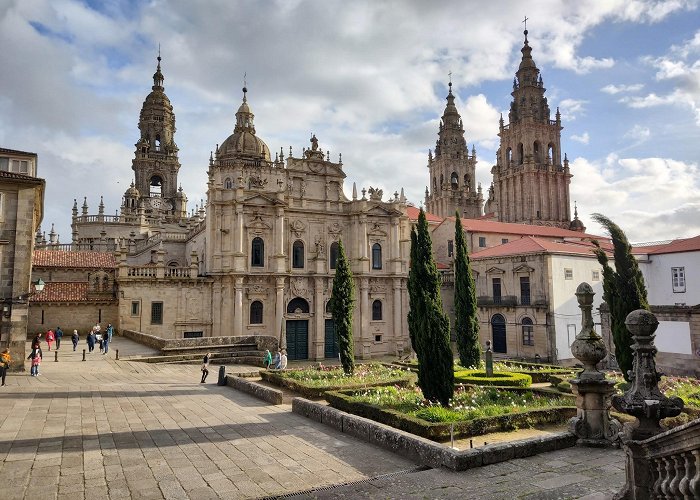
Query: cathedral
[258, 256]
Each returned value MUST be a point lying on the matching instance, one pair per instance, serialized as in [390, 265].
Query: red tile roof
[529, 244]
[488, 226]
[676, 246]
[413, 212]
[80, 260]
[67, 292]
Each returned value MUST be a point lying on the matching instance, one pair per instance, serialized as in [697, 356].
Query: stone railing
[180, 272]
[666, 465]
[141, 272]
[152, 240]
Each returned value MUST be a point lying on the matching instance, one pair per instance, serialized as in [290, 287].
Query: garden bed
[501, 379]
[413, 415]
[315, 382]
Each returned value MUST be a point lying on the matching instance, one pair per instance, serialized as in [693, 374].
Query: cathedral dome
[132, 192]
[243, 142]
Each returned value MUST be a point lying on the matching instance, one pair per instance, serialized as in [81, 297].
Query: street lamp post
[20, 299]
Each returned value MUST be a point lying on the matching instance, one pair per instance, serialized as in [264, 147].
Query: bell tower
[156, 163]
[530, 181]
[452, 169]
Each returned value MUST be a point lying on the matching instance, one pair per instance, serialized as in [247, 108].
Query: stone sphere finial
[584, 294]
[641, 323]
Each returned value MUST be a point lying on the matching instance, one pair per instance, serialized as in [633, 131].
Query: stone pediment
[523, 269]
[258, 223]
[495, 270]
[382, 210]
[261, 199]
[375, 229]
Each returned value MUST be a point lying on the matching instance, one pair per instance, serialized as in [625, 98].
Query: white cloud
[617, 89]
[571, 108]
[638, 133]
[583, 138]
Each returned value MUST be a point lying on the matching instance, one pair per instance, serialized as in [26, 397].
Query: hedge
[440, 431]
[502, 379]
[318, 392]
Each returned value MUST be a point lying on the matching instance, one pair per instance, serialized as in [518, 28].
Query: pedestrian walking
[75, 338]
[59, 335]
[110, 332]
[278, 358]
[267, 360]
[100, 339]
[35, 357]
[105, 343]
[36, 340]
[205, 367]
[5, 360]
[283, 360]
[50, 337]
[91, 341]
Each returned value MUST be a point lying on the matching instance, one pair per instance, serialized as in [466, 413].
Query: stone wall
[269, 394]
[262, 342]
[76, 316]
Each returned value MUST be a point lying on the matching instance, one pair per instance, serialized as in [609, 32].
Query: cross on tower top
[525, 22]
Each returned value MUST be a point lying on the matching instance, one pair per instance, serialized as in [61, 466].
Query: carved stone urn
[588, 347]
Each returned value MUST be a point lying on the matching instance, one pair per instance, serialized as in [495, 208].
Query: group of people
[36, 354]
[97, 337]
[278, 363]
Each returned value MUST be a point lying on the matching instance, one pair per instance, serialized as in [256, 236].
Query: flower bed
[474, 411]
[501, 379]
[314, 382]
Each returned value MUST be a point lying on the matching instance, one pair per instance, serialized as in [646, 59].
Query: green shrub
[438, 414]
[502, 379]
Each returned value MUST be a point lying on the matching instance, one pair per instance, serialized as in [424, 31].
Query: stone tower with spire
[452, 169]
[156, 163]
[530, 181]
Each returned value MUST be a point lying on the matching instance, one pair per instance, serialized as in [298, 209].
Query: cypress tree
[623, 290]
[412, 287]
[342, 304]
[431, 328]
[466, 320]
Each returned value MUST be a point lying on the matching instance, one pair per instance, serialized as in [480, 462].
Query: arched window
[334, 255]
[454, 180]
[528, 332]
[328, 308]
[376, 310]
[550, 153]
[256, 313]
[536, 151]
[257, 252]
[521, 154]
[376, 256]
[157, 143]
[297, 305]
[442, 181]
[298, 255]
[509, 156]
[467, 183]
[498, 333]
[228, 184]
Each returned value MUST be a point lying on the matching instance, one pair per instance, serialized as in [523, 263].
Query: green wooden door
[297, 339]
[331, 344]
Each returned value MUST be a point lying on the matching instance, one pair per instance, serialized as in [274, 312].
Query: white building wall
[659, 280]
[564, 306]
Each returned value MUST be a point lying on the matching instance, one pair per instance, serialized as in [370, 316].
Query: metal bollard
[56, 356]
[222, 376]
[117, 356]
[83, 354]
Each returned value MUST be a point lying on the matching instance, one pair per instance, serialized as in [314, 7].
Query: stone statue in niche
[320, 245]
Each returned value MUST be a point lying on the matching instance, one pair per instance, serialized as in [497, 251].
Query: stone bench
[268, 394]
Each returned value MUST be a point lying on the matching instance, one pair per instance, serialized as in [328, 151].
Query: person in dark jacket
[91, 341]
[59, 335]
[75, 338]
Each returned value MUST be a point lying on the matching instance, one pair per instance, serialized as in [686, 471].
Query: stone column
[592, 423]
[364, 318]
[396, 306]
[318, 337]
[279, 311]
[238, 308]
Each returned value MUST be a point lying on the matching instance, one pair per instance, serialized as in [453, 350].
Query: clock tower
[156, 163]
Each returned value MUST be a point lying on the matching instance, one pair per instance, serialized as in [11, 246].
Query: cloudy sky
[369, 79]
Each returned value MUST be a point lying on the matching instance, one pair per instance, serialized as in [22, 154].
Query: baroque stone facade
[258, 257]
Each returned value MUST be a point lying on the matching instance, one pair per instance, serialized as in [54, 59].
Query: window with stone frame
[256, 313]
[568, 274]
[257, 252]
[450, 248]
[135, 307]
[298, 255]
[482, 241]
[376, 256]
[156, 313]
[377, 310]
[678, 279]
[333, 258]
[528, 332]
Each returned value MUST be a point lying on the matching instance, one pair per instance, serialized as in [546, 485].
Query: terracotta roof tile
[489, 226]
[66, 292]
[81, 259]
[676, 246]
[413, 212]
[529, 244]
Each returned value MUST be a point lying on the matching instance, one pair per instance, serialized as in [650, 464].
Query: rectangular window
[450, 248]
[525, 290]
[193, 335]
[595, 276]
[571, 333]
[678, 278]
[482, 241]
[156, 313]
[568, 274]
[4, 164]
[24, 167]
[496, 290]
[15, 166]
[528, 335]
[504, 241]
[135, 307]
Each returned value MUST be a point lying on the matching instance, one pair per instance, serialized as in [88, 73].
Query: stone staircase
[240, 353]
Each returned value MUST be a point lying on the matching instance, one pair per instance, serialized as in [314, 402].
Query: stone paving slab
[123, 429]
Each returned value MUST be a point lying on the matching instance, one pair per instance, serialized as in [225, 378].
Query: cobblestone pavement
[124, 429]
